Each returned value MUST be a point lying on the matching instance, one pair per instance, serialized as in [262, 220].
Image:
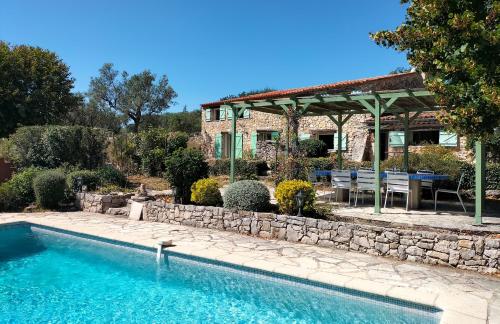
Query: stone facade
[359, 132]
[478, 251]
[96, 203]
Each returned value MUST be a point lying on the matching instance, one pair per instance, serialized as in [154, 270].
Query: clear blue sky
[210, 49]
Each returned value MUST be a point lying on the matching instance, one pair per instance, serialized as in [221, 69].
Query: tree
[399, 70]
[185, 121]
[35, 87]
[455, 43]
[90, 114]
[247, 93]
[134, 97]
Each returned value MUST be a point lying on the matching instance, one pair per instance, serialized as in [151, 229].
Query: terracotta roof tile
[379, 83]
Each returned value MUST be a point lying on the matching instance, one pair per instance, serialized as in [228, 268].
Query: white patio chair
[341, 179]
[364, 182]
[456, 192]
[398, 182]
[313, 178]
[427, 184]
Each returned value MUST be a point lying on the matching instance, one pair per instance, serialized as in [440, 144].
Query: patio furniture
[398, 182]
[341, 179]
[312, 177]
[427, 184]
[456, 192]
[365, 182]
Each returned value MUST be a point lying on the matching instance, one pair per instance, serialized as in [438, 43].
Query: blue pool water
[57, 277]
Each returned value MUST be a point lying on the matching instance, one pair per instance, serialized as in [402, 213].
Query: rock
[454, 257]
[467, 254]
[393, 237]
[425, 245]
[465, 244]
[415, 251]
[293, 235]
[438, 255]
[382, 247]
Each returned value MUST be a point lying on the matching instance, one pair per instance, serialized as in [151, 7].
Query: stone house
[259, 132]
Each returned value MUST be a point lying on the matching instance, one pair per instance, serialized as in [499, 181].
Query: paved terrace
[465, 297]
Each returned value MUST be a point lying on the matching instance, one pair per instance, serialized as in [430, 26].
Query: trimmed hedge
[248, 195]
[206, 192]
[285, 195]
[244, 169]
[50, 188]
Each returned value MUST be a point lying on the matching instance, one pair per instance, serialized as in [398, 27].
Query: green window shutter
[229, 114]
[218, 146]
[396, 139]
[253, 144]
[275, 135]
[246, 113]
[223, 113]
[304, 136]
[208, 114]
[239, 146]
[344, 141]
[448, 139]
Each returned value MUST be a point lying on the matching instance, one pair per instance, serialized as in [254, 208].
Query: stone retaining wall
[476, 252]
[96, 203]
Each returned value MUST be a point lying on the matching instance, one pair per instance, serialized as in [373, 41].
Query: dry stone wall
[477, 252]
[96, 203]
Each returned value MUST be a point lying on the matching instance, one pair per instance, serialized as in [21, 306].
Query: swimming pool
[49, 275]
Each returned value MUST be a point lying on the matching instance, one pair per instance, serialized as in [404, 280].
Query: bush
[52, 146]
[18, 191]
[108, 175]
[182, 169]
[244, 169]
[206, 192]
[50, 188]
[107, 189]
[247, 195]
[155, 145]
[313, 148]
[287, 190]
[89, 178]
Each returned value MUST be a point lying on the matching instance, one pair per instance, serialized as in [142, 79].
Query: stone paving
[465, 297]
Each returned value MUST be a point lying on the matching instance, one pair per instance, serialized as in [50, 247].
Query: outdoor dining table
[415, 183]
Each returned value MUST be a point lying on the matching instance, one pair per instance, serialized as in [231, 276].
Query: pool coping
[456, 308]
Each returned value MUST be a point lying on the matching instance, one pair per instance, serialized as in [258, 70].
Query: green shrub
[182, 169]
[247, 195]
[243, 169]
[206, 192]
[50, 188]
[52, 146]
[107, 189]
[18, 191]
[109, 175]
[155, 145]
[313, 148]
[492, 176]
[287, 190]
[6, 197]
[76, 179]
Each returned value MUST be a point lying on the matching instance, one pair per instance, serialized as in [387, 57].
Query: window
[327, 139]
[263, 136]
[425, 137]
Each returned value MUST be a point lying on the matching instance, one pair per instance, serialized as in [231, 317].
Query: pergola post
[480, 182]
[233, 143]
[376, 162]
[406, 123]
[339, 142]
[287, 139]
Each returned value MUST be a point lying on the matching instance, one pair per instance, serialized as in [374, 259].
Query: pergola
[405, 104]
